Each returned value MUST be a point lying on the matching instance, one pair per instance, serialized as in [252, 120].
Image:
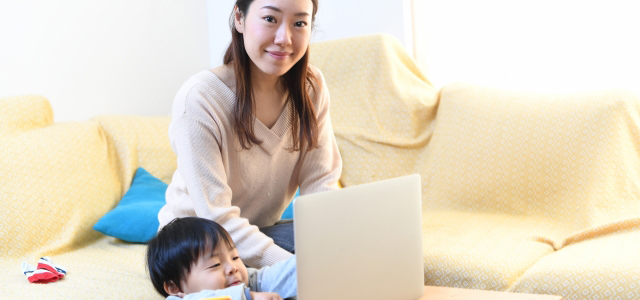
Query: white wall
[543, 45]
[335, 19]
[100, 57]
[130, 57]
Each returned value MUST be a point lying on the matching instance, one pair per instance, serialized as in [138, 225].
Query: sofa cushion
[482, 250]
[135, 219]
[57, 181]
[569, 157]
[605, 267]
[107, 269]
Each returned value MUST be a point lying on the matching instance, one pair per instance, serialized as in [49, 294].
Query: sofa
[522, 191]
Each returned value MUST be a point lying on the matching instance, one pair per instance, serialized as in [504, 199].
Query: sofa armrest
[22, 113]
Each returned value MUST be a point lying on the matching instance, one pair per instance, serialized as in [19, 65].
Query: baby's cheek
[245, 274]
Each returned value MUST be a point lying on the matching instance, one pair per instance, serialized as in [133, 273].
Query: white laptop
[361, 242]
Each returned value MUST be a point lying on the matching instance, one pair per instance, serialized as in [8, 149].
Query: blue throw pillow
[135, 219]
[288, 212]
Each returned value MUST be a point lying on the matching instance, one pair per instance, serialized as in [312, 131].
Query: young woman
[248, 133]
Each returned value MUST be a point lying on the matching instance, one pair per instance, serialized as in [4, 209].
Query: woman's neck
[265, 84]
[270, 96]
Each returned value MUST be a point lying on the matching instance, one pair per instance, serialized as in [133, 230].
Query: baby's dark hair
[178, 246]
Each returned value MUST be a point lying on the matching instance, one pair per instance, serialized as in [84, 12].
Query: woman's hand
[265, 296]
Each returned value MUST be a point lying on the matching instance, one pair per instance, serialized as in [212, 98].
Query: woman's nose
[283, 35]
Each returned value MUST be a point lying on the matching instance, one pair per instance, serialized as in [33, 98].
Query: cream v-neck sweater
[243, 189]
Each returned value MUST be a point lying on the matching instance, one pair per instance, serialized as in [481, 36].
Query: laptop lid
[361, 242]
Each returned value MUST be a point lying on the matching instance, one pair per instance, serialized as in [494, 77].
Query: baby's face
[216, 270]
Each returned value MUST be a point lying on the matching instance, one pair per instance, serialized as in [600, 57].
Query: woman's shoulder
[204, 91]
[226, 74]
[214, 79]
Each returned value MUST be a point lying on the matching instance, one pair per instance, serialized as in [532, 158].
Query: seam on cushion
[546, 240]
[602, 230]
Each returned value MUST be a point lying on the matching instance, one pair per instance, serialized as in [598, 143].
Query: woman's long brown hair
[297, 82]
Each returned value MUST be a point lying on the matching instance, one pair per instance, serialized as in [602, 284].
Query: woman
[248, 133]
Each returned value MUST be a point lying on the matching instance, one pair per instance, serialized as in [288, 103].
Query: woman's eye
[269, 19]
[301, 24]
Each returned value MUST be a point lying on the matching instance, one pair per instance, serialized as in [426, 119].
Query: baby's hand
[265, 296]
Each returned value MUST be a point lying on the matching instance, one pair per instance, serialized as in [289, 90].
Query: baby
[194, 258]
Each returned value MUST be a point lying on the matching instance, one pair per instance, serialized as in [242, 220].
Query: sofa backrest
[140, 141]
[574, 158]
[382, 106]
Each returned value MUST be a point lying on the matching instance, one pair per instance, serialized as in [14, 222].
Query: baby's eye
[214, 266]
[236, 258]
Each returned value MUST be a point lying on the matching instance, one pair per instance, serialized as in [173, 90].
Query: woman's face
[276, 33]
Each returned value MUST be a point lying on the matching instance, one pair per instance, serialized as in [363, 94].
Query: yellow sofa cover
[510, 179]
[522, 192]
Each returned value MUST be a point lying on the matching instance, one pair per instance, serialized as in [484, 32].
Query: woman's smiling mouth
[279, 55]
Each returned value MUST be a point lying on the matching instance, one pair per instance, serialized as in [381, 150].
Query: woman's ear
[172, 289]
[238, 20]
